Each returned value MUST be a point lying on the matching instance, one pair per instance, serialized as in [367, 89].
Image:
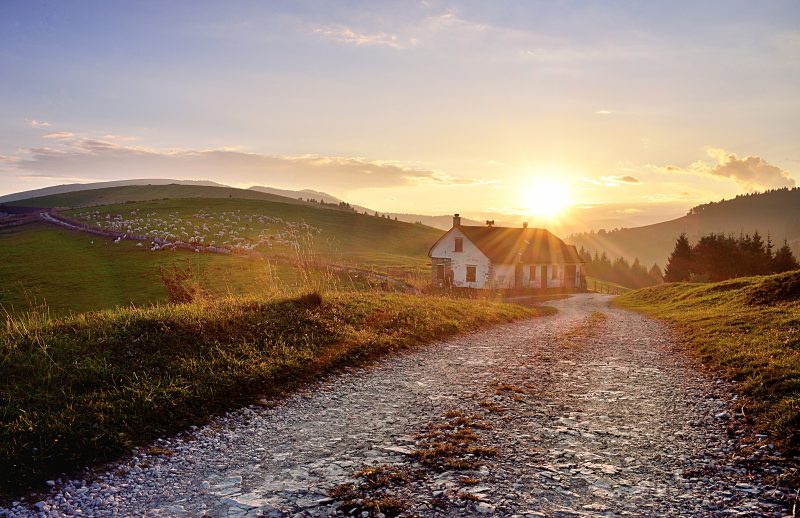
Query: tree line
[620, 271]
[717, 257]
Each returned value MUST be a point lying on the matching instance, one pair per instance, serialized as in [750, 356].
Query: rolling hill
[76, 271]
[133, 193]
[72, 187]
[45, 197]
[776, 213]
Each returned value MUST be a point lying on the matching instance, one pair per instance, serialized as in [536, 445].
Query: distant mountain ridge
[775, 213]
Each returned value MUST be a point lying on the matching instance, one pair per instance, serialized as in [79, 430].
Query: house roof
[505, 245]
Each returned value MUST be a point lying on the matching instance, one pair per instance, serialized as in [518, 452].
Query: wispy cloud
[613, 180]
[104, 160]
[603, 112]
[353, 37]
[59, 135]
[39, 124]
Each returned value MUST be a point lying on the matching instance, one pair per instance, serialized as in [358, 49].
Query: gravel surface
[590, 412]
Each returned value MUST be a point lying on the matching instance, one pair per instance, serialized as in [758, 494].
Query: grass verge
[746, 329]
[89, 387]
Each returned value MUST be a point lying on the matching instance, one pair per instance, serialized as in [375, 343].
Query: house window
[440, 272]
[531, 272]
[459, 244]
[554, 272]
[471, 274]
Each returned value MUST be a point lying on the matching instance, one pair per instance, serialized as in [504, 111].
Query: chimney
[456, 220]
[525, 224]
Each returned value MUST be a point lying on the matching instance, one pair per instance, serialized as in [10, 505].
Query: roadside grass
[746, 329]
[87, 388]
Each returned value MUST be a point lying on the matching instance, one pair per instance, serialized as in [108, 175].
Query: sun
[547, 198]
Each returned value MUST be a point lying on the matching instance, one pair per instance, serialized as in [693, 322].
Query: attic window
[459, 244]
[471, 274]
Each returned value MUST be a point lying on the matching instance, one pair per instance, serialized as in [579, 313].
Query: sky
[630, 112]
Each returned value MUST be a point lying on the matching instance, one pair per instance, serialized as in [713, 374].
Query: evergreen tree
[656, 275]
[679, 265]
[784, 259]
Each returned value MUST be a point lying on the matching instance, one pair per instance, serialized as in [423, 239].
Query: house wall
[504, 276]
[472, 256]
[487, 275]
[536, 281]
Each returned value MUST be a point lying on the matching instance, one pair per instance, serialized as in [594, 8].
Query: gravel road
[590, 412]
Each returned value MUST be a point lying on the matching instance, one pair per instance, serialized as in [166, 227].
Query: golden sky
[627, 111]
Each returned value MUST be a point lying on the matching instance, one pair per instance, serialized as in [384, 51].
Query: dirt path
[589, 412]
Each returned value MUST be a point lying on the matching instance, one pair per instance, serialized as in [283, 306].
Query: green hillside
[73, 271]
[345, 234]
[70, 271]
[128, 193]
[776, 213]
[748, 330]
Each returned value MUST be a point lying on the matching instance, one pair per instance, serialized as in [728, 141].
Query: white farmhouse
[493, 257]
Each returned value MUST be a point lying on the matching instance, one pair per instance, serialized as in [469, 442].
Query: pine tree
[656, 274]
[679, 265]
[784, 259]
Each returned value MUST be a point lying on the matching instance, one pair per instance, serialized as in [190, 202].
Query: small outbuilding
[491, 257]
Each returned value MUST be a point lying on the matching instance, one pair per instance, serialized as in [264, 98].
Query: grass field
[71, 271]
[88, 387]
[748, 330]
[336, 234]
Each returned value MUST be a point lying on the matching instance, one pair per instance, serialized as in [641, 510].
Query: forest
[620, 271]
[716, 257]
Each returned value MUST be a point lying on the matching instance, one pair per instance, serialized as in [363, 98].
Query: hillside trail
[593, 411]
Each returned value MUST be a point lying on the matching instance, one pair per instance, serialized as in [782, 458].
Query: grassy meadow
[73, 272]
[69, 271]
[748, 329]
[88, 387]
[336, 234]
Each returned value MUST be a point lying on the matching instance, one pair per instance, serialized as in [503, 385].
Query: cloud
[751, 173]
[39, 124]
[350, 36]
[614, 180]
[603, 112]
[59, 135]
[105, 160]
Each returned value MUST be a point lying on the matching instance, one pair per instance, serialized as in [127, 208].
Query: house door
[518, 276]
[569, 275]
[543, 276]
